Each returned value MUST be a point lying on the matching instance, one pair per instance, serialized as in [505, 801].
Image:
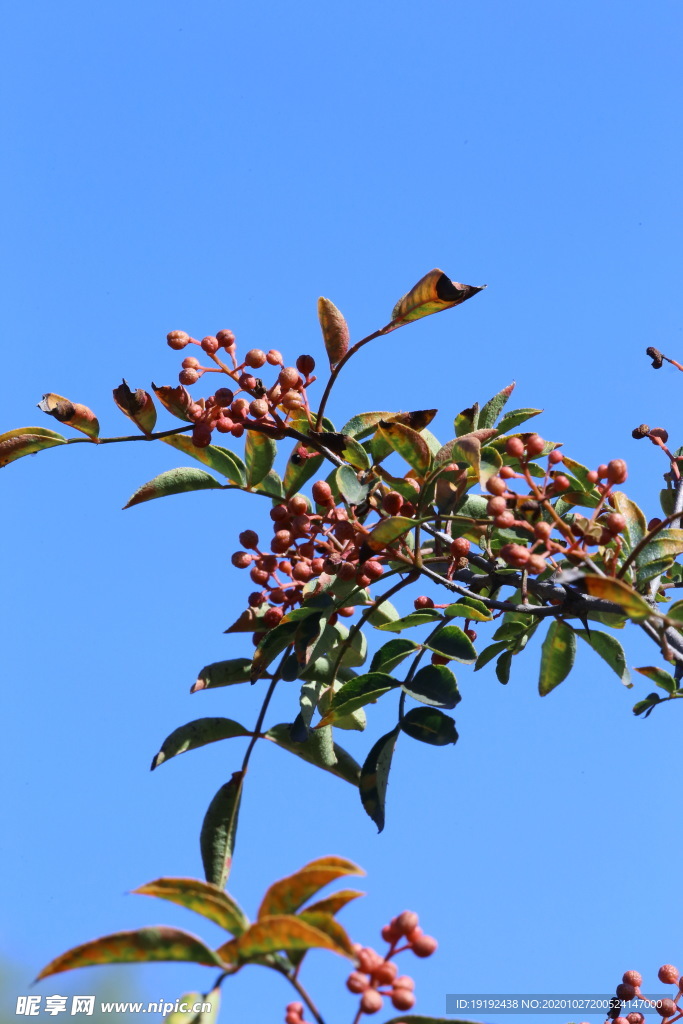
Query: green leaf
[609, 648]
[222, 460]
[488, 654]
[659, 677]
[665, 546]
[355, 454]
[364, 424]
[503, 666]
[335, 330]
[197, 734]
[467, 420]
[384, 612]
[217, 838]
[636, 526]
[80, 417]
[410, 445]
[223, 673]
[375, 776]
[356, 721]
[356, 693]
[451, 642]
[389, 530]
[468, 608]
[298, 473]
[490, 463]
[432, 293]
[409, 621]
[667, 499]
[429, 725]
[493, 408]
[392, 654]
[213, 998]
[174, 481]
[273, 643]
[271, 485]
[313, 750]
[557, 656]
[349, 486]
[646, 705]
[202, 897]
[514, 418]
[26, 441]
[434, 685]
[144, 945]
[288, 894]
[259, 455]
[675, 613]
[610, 589]
[137, 405]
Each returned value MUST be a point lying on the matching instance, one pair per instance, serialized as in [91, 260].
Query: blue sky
[198, 167]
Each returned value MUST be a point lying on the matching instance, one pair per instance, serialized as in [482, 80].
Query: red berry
[504, 520]
[404, 981]
[601, 471]
[534, 444]
[249, 539]
[188, 376]
[625, 991]
[392, 502]
[403, 998]
[226, 338]
[368, 959]
[407, 921]
[385, 972]
[561, 483]
[494, 485]
[272, 617]
[322, 492]
[201, 435]
[668, 974]
[460, 547]
[346, 612]
[615, 522]
[373, 569]
[514, 446]
[190, 363]
[241, 559]
[424, 945]
[536, 564]
[274, 357]
[224, 396]
[439, 659]
[616, 471]
[555, 457]
[666, 1008]
[506, 472]
[357, 982]
[371, 1001]
[633, 978]
[210, 344]
[542, 530]
[289, 378]
[423, 602]
[515, 555]
[592, 477]
[279, 513]
[297, 505]
[472, 634]
[247, 382]
[255, 599]
[278, 596]
[302, 572]
[306, 364]
[496, 506]
[292, 401]
[255, 358]
[259, 576]
[177, 339]
[258, 408]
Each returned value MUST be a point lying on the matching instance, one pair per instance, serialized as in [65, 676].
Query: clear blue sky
[212, 165]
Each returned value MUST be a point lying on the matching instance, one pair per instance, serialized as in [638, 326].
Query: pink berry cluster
[304, 545]
[630, 988]
[248, 401]
[377, 977]
[509, 509]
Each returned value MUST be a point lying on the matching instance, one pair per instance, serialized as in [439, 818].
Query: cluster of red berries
[630, 988]
[377, 977]
[295, 1014]
[508, 510]
[227, 412]
[304, 545]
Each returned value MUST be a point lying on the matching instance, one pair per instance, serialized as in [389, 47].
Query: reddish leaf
[202, 897]
[137, 406]
[431, 294]
[80, 417]
[335, 330]
[26, 441]
[278, 933]
[288, 894]
[141, 946]
[175, 400]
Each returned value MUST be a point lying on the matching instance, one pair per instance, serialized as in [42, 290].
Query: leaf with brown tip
[26, 441]
[175, 400]
[282, 932]
[288, 894]
[144, 945]
[335, 330]
[197, 734]
[137, 406]
[80, 417]
[432, 293]
[202, 897]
